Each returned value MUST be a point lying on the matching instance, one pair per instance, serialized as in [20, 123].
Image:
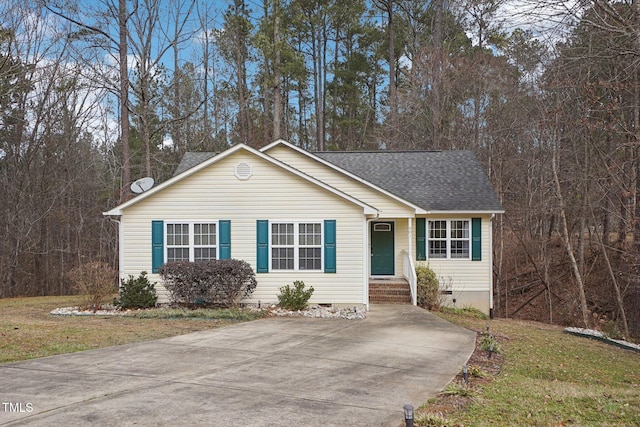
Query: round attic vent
[243, 171]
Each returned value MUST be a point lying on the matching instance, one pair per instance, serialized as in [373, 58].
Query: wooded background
[94, 95]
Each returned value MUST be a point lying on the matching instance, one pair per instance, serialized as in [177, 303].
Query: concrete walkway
[270, 372]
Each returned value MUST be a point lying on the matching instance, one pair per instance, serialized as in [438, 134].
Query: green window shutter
[421, 239]
[476, 239]
[330, 246]
[225, 239]
[262, 255]
[157, 245]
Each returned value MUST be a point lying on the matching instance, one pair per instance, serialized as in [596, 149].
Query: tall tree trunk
[176, 135]
[614, 281]
[393, 93]
[277, 77]
[125, 193]
[239, 45]
[436, 108]
[567, 240]
[635, 277]
[318, 93]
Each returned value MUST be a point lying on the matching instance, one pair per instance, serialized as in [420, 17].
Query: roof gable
[346, 173]
[211, 158]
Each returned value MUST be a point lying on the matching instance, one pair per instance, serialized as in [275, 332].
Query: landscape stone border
[598, 335]
[316, 311]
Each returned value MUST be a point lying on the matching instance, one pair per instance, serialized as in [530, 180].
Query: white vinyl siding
[270, 193]
[468, 281]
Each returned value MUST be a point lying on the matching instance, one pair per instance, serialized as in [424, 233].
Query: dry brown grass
[27, 330]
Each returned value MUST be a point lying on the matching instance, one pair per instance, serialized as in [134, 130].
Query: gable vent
[243, 171]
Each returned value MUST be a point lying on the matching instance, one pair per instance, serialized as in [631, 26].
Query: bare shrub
[96, 282]
[216, 283]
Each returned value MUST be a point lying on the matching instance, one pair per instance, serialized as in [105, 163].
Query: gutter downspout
[120, 247]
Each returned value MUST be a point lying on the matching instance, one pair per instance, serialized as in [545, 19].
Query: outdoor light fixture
[408, 415]
[490, 350]
[465, 374]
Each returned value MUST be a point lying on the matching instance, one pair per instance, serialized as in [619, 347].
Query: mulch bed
[482, 368]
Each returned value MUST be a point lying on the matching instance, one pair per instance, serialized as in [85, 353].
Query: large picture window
[296, 246]
[191, 241]
[449, 239]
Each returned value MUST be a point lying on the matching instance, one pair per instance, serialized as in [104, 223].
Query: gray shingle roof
[432, 180]
[191, 159]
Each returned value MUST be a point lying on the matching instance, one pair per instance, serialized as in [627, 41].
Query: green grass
[27, 330]
[551, 378]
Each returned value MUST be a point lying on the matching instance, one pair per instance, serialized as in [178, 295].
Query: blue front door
[382, 249]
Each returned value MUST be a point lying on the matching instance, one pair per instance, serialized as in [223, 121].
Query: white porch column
[410, 229]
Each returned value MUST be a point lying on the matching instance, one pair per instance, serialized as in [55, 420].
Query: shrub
[296, 298]
[456, 389]
[96, 282]
[215, 283]
[428, 292]
[489, 343]
[610, 329]
[137, 293]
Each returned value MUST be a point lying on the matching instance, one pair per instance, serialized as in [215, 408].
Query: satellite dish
[142, 185]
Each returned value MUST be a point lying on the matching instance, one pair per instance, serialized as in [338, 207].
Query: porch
[392, 273]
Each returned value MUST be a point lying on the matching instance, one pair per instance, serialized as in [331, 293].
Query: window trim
[449, 239]
[192, 246]
[296, 245]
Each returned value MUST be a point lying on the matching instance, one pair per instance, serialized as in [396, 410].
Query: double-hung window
[296, 246]
[449, 239]
[191, 241]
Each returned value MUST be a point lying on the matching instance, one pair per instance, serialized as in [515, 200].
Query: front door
[382, 250]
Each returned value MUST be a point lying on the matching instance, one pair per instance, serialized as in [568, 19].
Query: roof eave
[465, 212]
[119, 210]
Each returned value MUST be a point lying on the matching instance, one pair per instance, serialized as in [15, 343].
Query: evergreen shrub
[295, 298]
[137, 292]
[428, 292]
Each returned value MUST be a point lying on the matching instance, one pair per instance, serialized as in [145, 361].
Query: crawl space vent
[243, 171]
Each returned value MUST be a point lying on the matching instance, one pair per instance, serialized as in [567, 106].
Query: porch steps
[389, 291]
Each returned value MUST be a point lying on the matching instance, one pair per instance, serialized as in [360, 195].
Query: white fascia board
[464, 212]
[118, 210]
[418, 209]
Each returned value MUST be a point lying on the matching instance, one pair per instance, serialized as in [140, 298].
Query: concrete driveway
[270, 372]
